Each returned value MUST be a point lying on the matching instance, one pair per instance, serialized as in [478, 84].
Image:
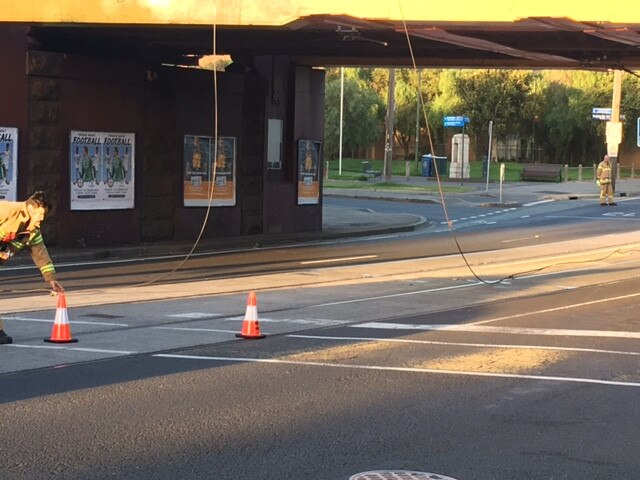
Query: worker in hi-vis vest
[20, 228]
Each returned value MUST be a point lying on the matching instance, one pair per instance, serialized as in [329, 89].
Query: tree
[362, 114]
[497, 95]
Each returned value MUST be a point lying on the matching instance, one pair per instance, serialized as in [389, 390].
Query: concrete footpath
[340, 222]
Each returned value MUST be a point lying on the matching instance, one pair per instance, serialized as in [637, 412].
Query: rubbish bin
[428, 167]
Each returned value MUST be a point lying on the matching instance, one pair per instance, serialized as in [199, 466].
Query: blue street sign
[603, 114]
[457, 121]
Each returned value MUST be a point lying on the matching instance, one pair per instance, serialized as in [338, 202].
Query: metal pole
[489, 153]
[341, 114]
[501, 179]
[389, 125]
[418, 100]
[462, 159]
[612, 148]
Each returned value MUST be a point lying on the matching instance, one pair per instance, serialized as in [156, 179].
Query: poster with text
[206, 182]
[8, 163]
[102, 170]
[308, 172]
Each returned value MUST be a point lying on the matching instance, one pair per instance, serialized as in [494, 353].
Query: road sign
[603, 114]
[457, 121]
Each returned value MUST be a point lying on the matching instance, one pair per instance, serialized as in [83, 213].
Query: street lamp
[533, 138]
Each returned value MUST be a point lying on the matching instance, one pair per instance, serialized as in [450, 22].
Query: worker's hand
[56, 287]
[9, 237]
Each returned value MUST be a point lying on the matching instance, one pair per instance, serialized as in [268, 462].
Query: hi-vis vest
[14, 219]
[604, 172]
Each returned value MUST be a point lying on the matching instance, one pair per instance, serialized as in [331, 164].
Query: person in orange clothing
[20, 228]
[603, 179]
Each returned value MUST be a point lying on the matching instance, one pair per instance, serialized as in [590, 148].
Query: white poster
[102, 170]
[8, 164]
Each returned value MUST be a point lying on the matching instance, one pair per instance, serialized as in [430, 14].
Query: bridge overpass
[466, 33]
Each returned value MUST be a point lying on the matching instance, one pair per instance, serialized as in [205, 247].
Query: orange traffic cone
[61, 332]
[250, 326]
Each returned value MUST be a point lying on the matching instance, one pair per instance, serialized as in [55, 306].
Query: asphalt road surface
[409, 363]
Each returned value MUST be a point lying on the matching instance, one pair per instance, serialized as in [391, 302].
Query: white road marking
[519, 239]
[296, 321]
[401, 369]
[539, 202]
[462, 344]
[332, 260]
[508, 330]
[80, 349]
[82, 322]
[186, 329]
[597, 217]
[556, 309]
[195, 315]
[404, 294]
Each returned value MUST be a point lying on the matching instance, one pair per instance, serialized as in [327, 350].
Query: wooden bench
[369, 172]
[542, 171]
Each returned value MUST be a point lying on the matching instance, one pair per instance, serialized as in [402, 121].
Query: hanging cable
[441, 193]
[212, 170]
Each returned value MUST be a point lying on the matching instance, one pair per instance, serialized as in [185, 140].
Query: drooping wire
[435, 164]
[212, 172]
[441, 193]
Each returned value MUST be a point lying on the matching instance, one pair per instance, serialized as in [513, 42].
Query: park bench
[542, 171]
[369, 172]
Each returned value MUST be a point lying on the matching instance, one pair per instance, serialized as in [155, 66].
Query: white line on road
[185, 329]
[556, 309]
[462, 344]
[508, 330]
[332, 260]
[402, 369]
[404, 294]
[81, 322]
[539, 202]
[80, 349]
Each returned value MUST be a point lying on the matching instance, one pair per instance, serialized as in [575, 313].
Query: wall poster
[308, 172]
[102, 173]
[8, 163]
[200, 167]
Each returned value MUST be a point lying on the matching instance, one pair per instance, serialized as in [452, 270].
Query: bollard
[633, 170]
[566, 173]
[407, 169]
[580, 172]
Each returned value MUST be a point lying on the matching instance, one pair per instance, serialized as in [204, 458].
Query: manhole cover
[398, 475]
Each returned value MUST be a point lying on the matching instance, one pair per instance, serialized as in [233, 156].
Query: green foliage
[363, 111]
[548, 111]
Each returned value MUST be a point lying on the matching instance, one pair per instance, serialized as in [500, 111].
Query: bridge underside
[330, 40]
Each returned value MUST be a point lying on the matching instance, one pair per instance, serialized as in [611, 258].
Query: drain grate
[398, 475]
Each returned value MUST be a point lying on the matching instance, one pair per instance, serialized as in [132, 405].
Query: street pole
[613, 141]
[462, 160]
[390, 120]
[418, 100]
[489, 153]
[341, 114]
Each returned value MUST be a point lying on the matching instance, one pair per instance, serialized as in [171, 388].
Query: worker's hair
[39, 199]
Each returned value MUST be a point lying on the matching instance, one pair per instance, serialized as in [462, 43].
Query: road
[408, 363]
